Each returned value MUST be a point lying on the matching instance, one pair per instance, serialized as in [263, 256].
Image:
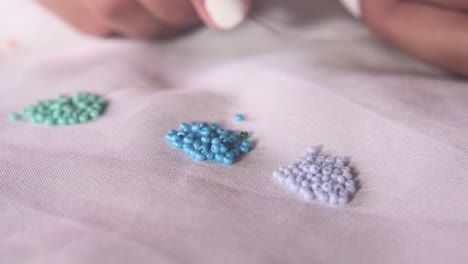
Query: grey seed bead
[296, 171]
[316, 179]
[341, 179]
[346, 169]
[325, 178]
[301, 166]
[282, 169]
[294, 186]
[310, 158]
[320, 159]
[337, 171]
[327, 170]
[333, 198]
[287, 171]
[305, 183]
[291, 167]
[334, 176]
[338, 187]
[300, 178]
[314, 169]
[279, 176]
[326, 186]
[348, 175]
[309, 176]
[307, 194]
[330, 160]
[320, 175]
[351, 188]
[350, 182]
[343, 193]
[342, 200]
[321, 196]
[316, 186]
[303, 174]
[290, 179]
[339, 164]
[343, 159]
[313, 150]
[306, 168]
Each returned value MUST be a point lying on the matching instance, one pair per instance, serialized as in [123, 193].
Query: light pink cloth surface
[112, 191]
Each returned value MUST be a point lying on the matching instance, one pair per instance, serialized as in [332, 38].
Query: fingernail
[353, 6]
[226, 14]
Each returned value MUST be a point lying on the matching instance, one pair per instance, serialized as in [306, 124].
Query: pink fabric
[112, 191]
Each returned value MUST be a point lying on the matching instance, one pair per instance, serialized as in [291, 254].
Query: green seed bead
[72, 121]
[49, 121]
[84, 118]
[14, 117]
[62, 121]
[39, 117]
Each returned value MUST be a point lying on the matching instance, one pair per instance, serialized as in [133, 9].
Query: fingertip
[222, 14]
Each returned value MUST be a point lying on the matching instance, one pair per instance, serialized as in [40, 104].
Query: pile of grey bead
[325, 179]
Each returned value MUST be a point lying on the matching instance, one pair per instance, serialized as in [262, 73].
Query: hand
[433, 30]
[148, 18]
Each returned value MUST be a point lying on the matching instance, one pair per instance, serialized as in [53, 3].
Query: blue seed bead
[230, 155]
[205, 139]
[210, 156]
[188, 140]
[195, 127]
[219, 157]
[200, 157]
[185, 127]
[205, 131]
[244, 149]
[204, 124]
[197, 143]
[228, 161]
[204, 149]
[223, 148]
[239, 118]
[216, 141]
[214, 126]
[177, 144]
[247, 143]
[215, 149]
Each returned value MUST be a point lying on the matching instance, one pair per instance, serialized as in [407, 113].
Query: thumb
[222, 14]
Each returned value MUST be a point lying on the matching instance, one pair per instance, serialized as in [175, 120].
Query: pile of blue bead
[203, 141]
[325, 179]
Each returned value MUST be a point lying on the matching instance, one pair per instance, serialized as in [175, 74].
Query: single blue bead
[216, 141]
[244, 149]
[188, 140]
[195, 127]
[197, 143]
[204, 124]
[185, 127]
[205, 131]
[223, 148]
[239, 118]
[219, 157]
[247, 143]
[237, 152]
[214, 126]
[230, 155]
[200, 157]
[220, 130]
[177, 144]
[215, 149]
[210, 155]
[205, 139]
[172, 132]
[174, 138]
[204, 149]
[168, 137]
[228, 161]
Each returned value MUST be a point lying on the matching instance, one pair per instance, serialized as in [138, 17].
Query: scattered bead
[203, 142]
[64, 110]
[14, 117]
[325, 179]
[239, 117]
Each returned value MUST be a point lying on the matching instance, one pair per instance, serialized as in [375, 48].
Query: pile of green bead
[64, 110]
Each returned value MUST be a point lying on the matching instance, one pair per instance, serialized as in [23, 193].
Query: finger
[453, 4]
[77, 15]
[436, 35]
[222, 14]
[174, 13]
[128, 17]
